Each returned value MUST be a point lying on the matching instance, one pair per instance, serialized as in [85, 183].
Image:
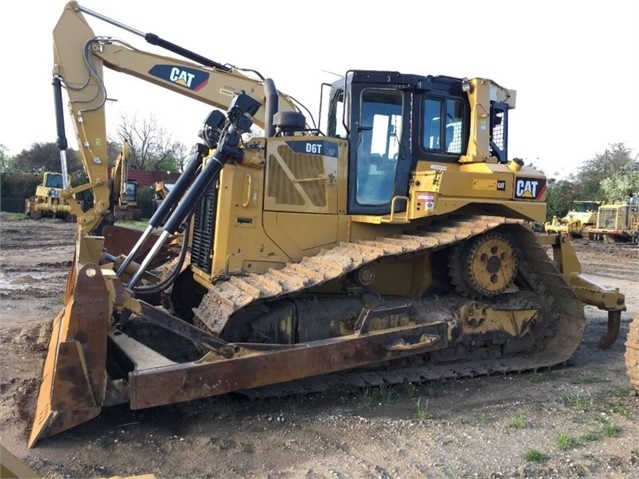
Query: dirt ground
[578, 420]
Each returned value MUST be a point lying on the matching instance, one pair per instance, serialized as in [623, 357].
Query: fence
[12, 205]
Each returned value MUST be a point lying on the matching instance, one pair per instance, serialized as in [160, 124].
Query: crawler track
[554, 345]
[632, 352]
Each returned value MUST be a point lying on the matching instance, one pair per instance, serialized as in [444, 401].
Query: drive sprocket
[485, 266]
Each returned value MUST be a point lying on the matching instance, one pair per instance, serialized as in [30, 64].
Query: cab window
[378, 147]
[443, 129]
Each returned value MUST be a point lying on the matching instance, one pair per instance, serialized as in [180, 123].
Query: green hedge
[14, 189]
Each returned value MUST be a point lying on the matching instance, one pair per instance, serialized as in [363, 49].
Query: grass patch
[587, 379]
[590, 436]
[14, 217]
[610, 429]
[617, 402]
[297, 404]
[486, 418]
[566, 441]
[518, 422]
[533, 455]
[578, 402]
[620, 392]
[382, 394]
[136, 225]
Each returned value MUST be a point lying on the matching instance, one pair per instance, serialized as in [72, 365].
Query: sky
[574, 64]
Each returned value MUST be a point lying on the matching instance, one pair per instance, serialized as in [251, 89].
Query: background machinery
[162, 190]
[398, 238]
[123, 191]
[618, 223]
[581, 216]
[47, 200]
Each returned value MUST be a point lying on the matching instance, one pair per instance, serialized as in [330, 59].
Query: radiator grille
[302, 167]
[204, 230]
[607, 218]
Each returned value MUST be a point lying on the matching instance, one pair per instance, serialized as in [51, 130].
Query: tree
[614, 161]
[181, 156]
[43, 157]
[152, 148]
[560, 194]
[621, 185]
[6, 161]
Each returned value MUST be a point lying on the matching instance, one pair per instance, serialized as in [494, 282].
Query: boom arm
[119, 176]
[79, 58]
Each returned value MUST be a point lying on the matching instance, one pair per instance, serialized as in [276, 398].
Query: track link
[560, 340]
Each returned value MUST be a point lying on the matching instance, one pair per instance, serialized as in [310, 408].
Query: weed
[533, 455]
[610, 429]
[518, 421]
[565, 441]
[615, 403]
[422, 408]
[367, 397]
[620, 392]
[577, 402]
[590, 436]
[411, 390]
[378, 394]
[430, 390]
[486, 417]
[296, 404]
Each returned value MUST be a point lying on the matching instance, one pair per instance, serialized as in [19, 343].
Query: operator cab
[394, 120]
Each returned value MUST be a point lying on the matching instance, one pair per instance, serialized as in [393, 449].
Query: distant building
[149, 178]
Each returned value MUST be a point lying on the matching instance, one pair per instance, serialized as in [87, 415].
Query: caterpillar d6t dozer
[392, 244]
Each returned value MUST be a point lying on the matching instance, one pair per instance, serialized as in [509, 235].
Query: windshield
[585, 207]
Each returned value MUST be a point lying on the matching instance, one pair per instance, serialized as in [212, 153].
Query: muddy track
[632, 352]
[556, 345]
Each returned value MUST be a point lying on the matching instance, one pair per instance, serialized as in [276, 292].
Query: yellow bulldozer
[581, 216]
[47, 200]
[618, 222]
[389, 243]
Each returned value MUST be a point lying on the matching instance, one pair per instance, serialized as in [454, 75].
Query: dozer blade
[74, 375]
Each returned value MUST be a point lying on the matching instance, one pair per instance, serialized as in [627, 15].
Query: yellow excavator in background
[123, 191]
[398, 237]
[162, 190]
